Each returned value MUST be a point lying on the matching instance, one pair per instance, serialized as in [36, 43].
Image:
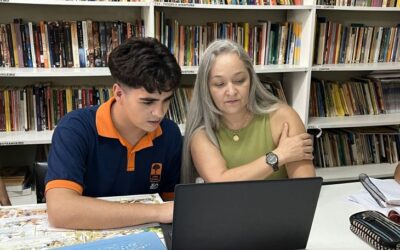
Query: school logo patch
[155, 173]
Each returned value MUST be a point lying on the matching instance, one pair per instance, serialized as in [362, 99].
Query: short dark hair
[145, 62]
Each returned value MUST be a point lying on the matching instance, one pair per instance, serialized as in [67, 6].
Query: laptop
[268, 214]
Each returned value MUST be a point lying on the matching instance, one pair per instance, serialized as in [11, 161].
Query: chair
[40, 170]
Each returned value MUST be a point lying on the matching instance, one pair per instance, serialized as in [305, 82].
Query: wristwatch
[272, 160]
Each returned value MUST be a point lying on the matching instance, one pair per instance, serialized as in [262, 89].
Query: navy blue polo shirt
[89, 156]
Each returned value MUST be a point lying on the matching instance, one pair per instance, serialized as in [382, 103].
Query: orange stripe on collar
[104, 124]
[145, 142]
[106, 128]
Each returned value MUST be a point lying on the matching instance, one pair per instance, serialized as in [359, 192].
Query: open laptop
[270, 214]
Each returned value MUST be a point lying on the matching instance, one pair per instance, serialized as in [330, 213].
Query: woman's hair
[204, 114]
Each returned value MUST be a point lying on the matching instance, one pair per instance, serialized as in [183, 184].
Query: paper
[26, 227]
[389, 187]
[364, 199]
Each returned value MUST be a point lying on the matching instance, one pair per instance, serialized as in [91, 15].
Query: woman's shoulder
[283, 113]
[286, 114]
[199, 133]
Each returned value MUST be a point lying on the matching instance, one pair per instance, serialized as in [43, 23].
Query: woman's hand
[295, 148]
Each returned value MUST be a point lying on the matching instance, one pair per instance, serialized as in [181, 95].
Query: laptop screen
[268, 214]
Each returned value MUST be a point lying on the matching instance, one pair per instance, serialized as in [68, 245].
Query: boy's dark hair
[145, 62]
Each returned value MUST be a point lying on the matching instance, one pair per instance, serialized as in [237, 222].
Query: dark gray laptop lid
[270, 214]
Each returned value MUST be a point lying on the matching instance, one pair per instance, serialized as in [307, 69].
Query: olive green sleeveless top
[255, 140]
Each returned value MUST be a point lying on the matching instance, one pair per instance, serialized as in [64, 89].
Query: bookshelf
[347, 15]
[296, 79]
[354, 121]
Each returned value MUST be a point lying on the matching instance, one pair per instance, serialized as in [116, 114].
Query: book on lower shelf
[23, 192]
[357, 146]
[17, 179]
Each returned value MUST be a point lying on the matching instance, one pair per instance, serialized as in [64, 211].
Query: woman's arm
[299, 160]
[211, 165]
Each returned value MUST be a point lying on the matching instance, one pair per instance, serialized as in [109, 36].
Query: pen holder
[376, 229]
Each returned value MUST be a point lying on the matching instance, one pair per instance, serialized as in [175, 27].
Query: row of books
[48, 44]
[355, 43]
[361, 3]
[357, 146]
[40, 107]
[236, 2]
[265, 42]
[105, 1]
[360, 96]
[180, 103]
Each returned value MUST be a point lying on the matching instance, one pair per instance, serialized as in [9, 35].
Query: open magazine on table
[384, 192]
[27, 227]
[369, 200]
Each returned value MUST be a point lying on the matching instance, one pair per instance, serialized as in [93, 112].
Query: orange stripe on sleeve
[168, 196]
[64, 184]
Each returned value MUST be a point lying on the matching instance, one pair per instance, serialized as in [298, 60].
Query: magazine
[385, 192]
[27, 227]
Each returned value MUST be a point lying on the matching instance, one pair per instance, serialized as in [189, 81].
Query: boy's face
[142, 109]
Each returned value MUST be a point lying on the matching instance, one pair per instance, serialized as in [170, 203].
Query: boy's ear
[117, 90]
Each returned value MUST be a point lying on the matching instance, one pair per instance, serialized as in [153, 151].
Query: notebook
[144, 240]
[268, 214]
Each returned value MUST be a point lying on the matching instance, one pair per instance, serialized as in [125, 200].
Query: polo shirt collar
[106, 128]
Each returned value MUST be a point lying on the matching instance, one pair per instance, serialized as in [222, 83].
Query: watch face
[272, 159]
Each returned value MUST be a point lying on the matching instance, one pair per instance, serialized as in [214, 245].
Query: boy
[122, 147]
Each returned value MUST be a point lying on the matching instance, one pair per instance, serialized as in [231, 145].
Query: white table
[331, 226]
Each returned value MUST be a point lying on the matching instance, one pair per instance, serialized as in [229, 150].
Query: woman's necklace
[235, 132]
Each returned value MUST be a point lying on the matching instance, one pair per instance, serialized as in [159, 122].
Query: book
[25, 191]
[144, 240]
[15, 178]
[385, 192]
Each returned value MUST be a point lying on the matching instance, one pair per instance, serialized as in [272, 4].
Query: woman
[236, 130]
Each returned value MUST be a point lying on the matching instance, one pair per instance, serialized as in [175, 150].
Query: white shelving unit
[53, 72]
[354, 121]
[346, 173]
[355, 8]
[296, 79]
[25, 138]
[357, 67]
[348, 15]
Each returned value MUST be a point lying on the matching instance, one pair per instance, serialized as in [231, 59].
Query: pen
[373, 190]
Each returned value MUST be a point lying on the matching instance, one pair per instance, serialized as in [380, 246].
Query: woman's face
[229, 84]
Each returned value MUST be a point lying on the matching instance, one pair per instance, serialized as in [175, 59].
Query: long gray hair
[202, 112]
